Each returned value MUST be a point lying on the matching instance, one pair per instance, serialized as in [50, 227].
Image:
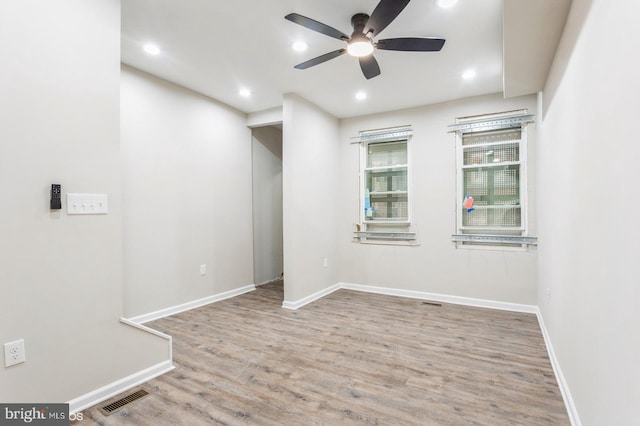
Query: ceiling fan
[361, 44]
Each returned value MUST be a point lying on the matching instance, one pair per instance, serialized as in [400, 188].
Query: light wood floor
[349, 358]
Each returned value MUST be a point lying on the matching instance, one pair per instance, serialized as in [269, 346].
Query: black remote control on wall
[56, 204]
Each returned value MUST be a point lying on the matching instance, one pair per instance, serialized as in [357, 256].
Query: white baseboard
[151, 316]
[467, 301]
[457, 300]
[151, 331]
[312, 298]
[572, 411]
[109, 391]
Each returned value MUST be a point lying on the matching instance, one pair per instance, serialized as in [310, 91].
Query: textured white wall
[435, 265]
[310, 187]
[267, 204]
[588, 221]
[61, 276]
[187, 195]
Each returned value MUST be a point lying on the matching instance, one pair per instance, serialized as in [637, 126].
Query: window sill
[387, 222]
[493, 242]
[377, 235]
[386, 238]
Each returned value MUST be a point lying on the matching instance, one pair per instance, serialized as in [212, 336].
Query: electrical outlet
[548, 295]
[203, 270]
[14, 353]
[325, 262]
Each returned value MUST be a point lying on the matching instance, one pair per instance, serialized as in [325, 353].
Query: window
[386, 191]
[385, 187]
[492, 179]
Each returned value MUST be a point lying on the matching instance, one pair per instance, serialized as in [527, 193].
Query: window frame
[364, 145]
[495, 235]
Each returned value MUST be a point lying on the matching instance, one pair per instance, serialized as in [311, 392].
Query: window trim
[489, 237]
[391, 137]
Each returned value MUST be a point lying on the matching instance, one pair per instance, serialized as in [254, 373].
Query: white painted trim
[109, 391]
[467, 301]
[562, 383]
[524, 185]
[312, 298]
[151, 331]
[144, 318]
[95, 397]
[145, 328]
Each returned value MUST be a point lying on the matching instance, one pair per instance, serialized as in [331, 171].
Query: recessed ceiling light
[446, 3]
[152, 49]
[361, 96]
[299, 46]
[245, 93]
[469, 75]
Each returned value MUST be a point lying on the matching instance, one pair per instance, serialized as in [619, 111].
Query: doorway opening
[266, 149]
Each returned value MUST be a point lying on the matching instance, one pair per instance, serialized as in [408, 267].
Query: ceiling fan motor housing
[359, 45]
[358, 21]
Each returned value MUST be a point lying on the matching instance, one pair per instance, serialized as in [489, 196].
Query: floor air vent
[432, 303]
[114, 406]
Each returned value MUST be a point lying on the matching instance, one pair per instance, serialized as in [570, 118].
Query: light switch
[87, 204]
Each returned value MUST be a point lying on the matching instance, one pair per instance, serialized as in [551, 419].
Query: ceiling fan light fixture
[360, 46]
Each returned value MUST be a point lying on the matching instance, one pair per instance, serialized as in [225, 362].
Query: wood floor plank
[350, 358]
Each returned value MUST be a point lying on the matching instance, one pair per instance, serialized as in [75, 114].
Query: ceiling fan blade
[316, 26]
[320, 59]
[411, 44]
[384, 13]
[369, 66]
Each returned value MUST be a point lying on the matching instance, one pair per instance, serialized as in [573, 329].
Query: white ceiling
[216, 48]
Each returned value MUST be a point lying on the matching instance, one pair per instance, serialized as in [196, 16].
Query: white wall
[269, 117]
[187, 195]
[267, 204]
[435, 265]
[61, 276]
[310, 185]
[588, 222]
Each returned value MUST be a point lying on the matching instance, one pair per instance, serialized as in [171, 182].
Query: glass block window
[385, 182]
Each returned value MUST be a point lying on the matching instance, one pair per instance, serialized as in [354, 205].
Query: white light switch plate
[87, 204]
